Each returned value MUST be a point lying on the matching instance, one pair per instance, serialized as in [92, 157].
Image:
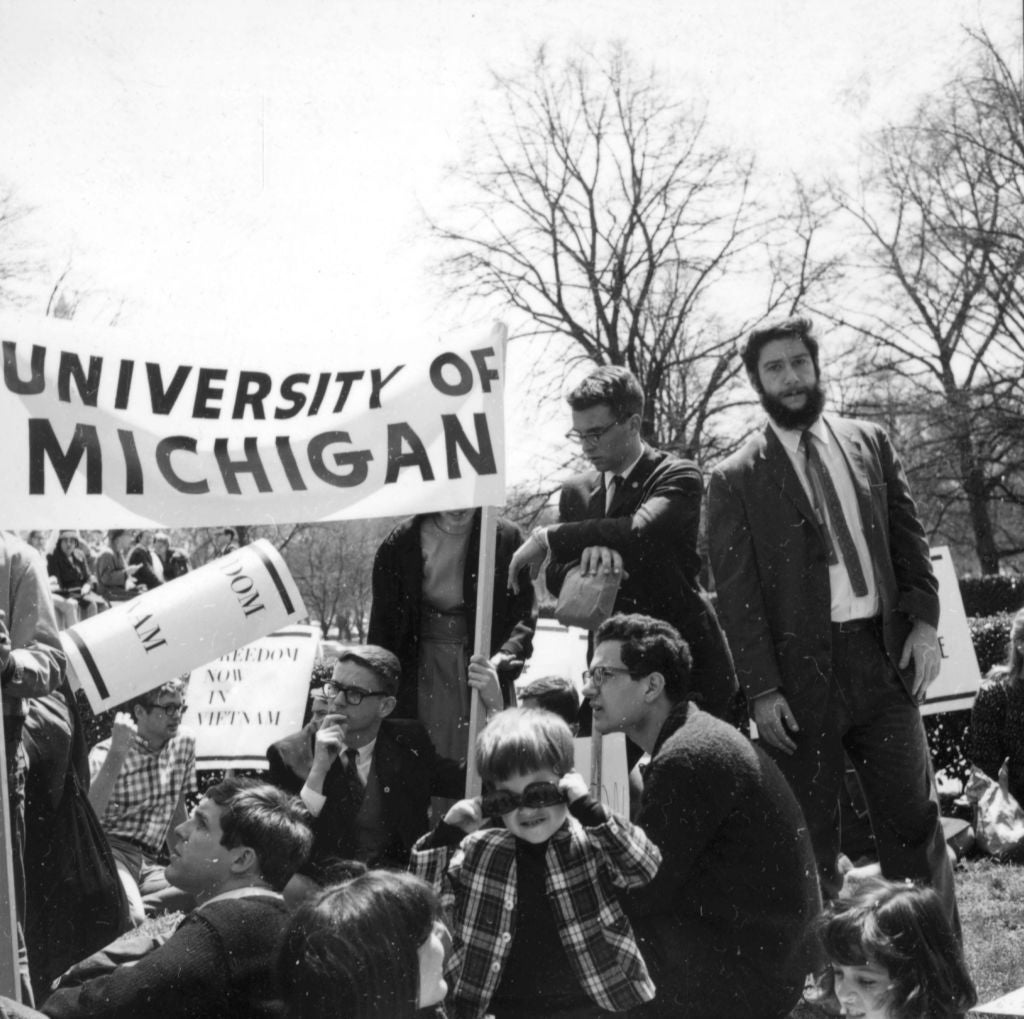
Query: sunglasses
[536, 794]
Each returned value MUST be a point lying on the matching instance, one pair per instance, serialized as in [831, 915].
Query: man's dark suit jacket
[409, 771]
[397, 607]
[653, 523]
[142, 556]
[770, 562]
[291, 758]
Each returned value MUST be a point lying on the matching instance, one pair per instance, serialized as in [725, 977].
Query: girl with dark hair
[371, 948]
[894, 954]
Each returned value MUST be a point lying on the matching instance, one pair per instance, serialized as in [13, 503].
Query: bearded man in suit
[830, 604]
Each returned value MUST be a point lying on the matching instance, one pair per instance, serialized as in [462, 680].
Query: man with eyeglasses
[725, 925]
[637, 512]
[372, 777]
[141, 776]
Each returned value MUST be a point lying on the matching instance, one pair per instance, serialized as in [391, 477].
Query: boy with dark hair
[536, 921]
[553, 693]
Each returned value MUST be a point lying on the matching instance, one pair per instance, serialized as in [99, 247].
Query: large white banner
[251, 697]
[108, 428]
[172, 629]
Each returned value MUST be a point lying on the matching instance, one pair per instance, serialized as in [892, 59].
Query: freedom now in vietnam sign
[106, 427]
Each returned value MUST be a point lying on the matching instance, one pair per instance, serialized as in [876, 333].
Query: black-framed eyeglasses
[536, 794]
[600, 674]
[170, 710]
[353, 695]
[592, 436]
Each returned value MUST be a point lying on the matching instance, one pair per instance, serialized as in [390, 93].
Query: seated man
[238, 850]
[140, 777]
[724, 926]
[372, 776]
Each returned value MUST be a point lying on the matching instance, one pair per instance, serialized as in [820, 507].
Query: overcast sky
[255, 168]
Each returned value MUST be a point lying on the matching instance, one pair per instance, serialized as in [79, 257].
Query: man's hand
[483, 677]
[121, 734]
[330, 738]
[574, 785]
[465, 814]
[775, 722]
[531, 553]
[600, 559]
[922, 645]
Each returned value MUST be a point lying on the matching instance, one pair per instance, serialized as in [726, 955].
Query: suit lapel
[627, 495]
[783, 474]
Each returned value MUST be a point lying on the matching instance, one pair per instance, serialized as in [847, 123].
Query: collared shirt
[148, 788]
[845, 604]
[585, 868]
[364, 761]
[243, 893]
[624, 474]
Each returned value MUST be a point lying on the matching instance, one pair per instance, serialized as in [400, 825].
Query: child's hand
[574, 786]
[483, 677]
[466, 814]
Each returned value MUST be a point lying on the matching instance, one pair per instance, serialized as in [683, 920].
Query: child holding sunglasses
[536, 922]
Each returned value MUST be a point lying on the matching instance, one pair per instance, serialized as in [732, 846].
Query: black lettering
[290, 391]
[132, 465]
[249, 464]
[288, 462]
[357, 463]
[346, 379]
[318, 396]
[259, 383]
[36, 382]
[43, 443]
[124, 385]
[397, 459]
[164, 449]
[486, 373]
[206, 391]
[378, 384]
[480, 457]
[70, 367]
[161, 399]
[459, 387]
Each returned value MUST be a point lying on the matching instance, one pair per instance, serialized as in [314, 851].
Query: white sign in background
[251, 697]
[172, 629]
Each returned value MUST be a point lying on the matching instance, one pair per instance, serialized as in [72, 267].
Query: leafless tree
[940, 216]
[599, 209]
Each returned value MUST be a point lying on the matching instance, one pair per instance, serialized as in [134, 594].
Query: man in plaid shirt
[140, 778]
[537, 926]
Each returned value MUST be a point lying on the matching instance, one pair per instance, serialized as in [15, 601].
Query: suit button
[495, 967]
[387, 788]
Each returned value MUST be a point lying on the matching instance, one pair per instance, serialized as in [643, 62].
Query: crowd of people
[356, 877]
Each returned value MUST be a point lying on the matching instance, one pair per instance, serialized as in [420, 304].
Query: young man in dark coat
[725, 925]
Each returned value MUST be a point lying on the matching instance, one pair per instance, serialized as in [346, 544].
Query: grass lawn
[991, 900]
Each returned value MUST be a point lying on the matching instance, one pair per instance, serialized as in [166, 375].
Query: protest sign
[107, 428]
[251, 697]
[613, 790]
[959, 676]
[176, 627]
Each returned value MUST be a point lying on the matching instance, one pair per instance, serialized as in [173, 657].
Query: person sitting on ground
[553, 693]
[894, 954]
[64, 608]
[115, 576]
[140, 778]
[997, 719]
[550, 878]
[151, 567]
[174, 560]
[238, 850]
[72, 579]
[369, 948]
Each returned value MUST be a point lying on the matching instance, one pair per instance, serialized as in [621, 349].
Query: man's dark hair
[151, 698]
[276, 826]
[229, 532]
[616, 387]
[795, 327]
[651, 645]
[379, 661]
[112, 536]
[557, 694]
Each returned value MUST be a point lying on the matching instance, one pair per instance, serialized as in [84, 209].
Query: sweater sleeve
[185, 977]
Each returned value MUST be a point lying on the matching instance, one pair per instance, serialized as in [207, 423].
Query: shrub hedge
[992, 594]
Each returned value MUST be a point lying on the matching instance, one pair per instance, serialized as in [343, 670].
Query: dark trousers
[16, 762]
[870, 716]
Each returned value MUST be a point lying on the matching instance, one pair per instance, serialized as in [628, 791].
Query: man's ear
[654, 686]
[387, 705]
[245, 860]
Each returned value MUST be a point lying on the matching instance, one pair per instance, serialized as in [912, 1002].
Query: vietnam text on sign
[178, 626]
[178, 433]
[250, 697]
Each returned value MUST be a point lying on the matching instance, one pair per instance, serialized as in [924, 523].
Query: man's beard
[799, 418]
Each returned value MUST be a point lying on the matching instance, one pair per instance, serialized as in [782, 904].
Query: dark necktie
[613, 490]
[825, 490]
[355, 783]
